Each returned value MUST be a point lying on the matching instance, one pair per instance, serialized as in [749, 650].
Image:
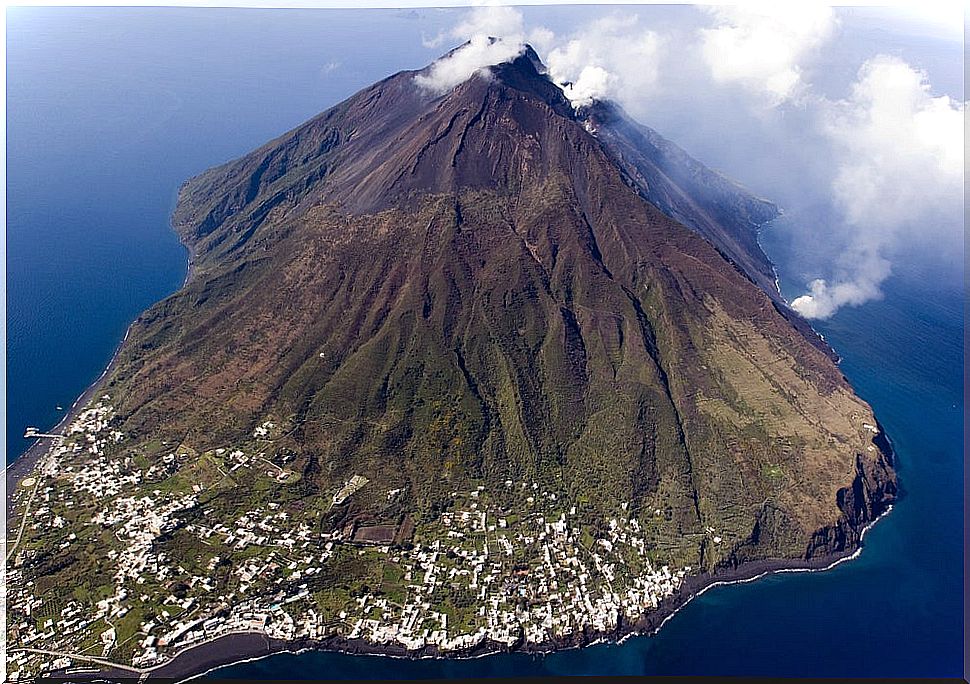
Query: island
[453, 372]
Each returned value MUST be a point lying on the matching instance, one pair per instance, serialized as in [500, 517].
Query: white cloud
[494, 21]
[431, 43]
[761, 47]
[614, 57]
[593, 82]
[542, 39]
[901, 147]
[494, 35]
[479, 53]
[899, 153]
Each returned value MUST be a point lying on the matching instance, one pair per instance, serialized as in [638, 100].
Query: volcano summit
[451, 373]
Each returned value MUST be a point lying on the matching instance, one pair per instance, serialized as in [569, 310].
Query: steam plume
[613, 57]
[494, 35]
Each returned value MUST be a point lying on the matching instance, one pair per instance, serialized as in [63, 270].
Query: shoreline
[25, 463]
[198, 660]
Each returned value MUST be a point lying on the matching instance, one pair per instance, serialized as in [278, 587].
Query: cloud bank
[762, 47]
[900, 169]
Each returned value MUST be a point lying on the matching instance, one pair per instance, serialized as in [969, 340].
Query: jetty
[35, 433]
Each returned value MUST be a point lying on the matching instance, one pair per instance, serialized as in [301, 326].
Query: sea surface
[110, 110]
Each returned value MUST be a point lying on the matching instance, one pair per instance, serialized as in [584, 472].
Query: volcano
[439, 291]
[520, 368]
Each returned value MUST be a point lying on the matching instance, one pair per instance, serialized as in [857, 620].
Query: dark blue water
[109, 110]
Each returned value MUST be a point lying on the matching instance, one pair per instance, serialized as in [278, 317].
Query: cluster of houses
[565, 587]
[531, 573]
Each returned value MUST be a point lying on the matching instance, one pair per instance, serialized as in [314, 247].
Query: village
[476, 574]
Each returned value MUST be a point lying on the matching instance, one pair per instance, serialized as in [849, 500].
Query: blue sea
[109, 110]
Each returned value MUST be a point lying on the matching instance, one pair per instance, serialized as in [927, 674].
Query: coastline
[25, 463]
[198, 660]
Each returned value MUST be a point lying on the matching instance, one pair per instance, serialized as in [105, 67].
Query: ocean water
[109, 110]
